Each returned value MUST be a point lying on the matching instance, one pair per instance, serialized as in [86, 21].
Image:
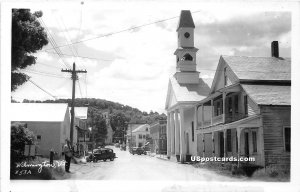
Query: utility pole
[74, 77]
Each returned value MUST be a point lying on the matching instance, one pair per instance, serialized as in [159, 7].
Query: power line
[42, 73]
[47, 65]
[80, 88]
[41, 88]
[121, 31]
[94, 58]
[53, 43]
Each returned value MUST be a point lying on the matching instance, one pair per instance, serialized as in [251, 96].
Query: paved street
[142, 167]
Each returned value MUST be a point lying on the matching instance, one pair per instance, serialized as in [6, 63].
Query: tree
[118, 122]
[28, 36]
[20, 136]
[98, 122]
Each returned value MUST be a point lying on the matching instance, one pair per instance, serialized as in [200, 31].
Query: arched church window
[187, 57]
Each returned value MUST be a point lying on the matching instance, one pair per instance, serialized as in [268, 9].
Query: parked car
[137, 150]
[102, 154]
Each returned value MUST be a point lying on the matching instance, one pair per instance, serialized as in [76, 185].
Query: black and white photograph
[149, 95]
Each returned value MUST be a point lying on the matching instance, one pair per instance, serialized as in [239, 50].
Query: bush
[20, 136]
[273, 172]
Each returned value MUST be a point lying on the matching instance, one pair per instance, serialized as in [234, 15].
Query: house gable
[219, 78]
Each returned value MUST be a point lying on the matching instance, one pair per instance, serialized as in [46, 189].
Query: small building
[250, 105]
[110, 132]
[50, 122]
[81, 132]
[137, 135]
[158, 137]
[185, 89]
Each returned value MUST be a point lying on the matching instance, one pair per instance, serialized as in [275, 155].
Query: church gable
[171, 98]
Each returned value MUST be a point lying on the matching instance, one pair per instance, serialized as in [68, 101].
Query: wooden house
[249, 109]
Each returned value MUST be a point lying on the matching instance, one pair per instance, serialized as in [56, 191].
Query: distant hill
[134, 115]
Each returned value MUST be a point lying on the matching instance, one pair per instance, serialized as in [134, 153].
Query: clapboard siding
[274, 119]
[252, 107]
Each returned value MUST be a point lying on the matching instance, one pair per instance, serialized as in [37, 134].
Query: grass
[270, 173]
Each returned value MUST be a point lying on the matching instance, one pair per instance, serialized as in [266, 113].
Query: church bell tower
[186, 72]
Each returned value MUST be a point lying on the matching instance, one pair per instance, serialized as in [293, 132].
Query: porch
[240, 139]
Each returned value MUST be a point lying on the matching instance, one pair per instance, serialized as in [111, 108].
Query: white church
[185, 89]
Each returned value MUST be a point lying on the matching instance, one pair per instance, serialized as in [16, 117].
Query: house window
[236, 103]
[228, 132]
[193, 131]
[246, 105]
[39, 137]
[287, 139]
[230, 105]
[140, 136]
[219, 109]
[144, 136]
[254, 141]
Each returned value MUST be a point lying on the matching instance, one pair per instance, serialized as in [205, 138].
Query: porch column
[172, 127]
[182, 137]
[168, 135]
[203, 145]
[212, 111]
[202, 115]
[196, 118]
[261, 147]
[177, 135]
[225, 142]
[213, 142]
[224, 99]
[238, 133]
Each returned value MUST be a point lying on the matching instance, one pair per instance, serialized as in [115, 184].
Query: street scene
[124, 92]
[142, 167]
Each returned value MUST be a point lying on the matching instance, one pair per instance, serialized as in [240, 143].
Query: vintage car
[137, 150]
[102, 154]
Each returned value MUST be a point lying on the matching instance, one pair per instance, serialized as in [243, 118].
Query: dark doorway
[247, 144]
[221, 141]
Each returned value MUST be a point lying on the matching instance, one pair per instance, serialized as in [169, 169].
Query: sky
[132, 67]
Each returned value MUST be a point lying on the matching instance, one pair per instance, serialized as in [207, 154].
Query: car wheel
[104, 159]
[111, 159]
[95, 160]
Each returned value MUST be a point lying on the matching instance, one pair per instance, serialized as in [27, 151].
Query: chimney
[274, 49]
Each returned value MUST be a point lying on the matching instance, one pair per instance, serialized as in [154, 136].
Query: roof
[185, 20]
[269, 94]
[80, 112]
[141, 128]
[259, 68]
[154, 128]
[190, 92]
[43, 112]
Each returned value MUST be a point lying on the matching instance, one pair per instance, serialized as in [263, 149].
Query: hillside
[133, 115]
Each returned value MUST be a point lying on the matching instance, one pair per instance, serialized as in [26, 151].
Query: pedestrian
[68, 155]
[51, 156]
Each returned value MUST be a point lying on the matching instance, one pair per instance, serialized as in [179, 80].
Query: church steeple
[186, 52]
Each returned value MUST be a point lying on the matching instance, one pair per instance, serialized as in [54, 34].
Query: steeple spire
[185, 20]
